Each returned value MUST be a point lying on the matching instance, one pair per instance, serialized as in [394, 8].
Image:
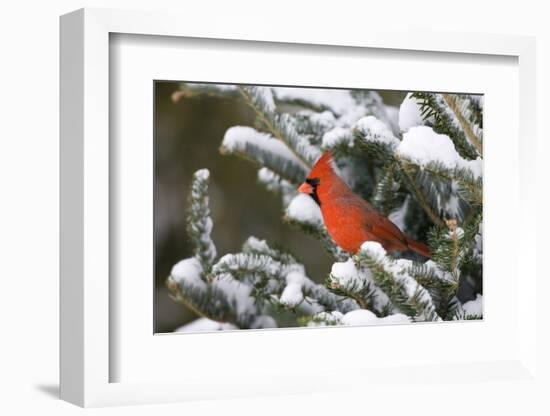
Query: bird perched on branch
[350, 220]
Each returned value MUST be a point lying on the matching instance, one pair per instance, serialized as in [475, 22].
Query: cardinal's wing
[385, 231]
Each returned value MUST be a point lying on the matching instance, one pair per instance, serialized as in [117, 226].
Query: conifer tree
[419, 164]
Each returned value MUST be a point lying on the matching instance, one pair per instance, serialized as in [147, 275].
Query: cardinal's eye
[313, 181]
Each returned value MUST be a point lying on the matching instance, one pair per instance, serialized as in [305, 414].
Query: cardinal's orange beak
[306, 188]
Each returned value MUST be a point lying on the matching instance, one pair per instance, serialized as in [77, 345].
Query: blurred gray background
[188, 134]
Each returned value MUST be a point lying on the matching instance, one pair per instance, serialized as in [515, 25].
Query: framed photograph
[274, 214]
[365, 177]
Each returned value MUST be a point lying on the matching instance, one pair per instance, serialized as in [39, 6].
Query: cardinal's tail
[419, 248]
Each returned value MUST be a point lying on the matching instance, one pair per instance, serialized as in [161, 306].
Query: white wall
[29, 183]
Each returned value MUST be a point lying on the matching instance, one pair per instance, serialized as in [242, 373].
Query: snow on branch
[303, 209]
[372, 130]
[374, 106]
[319, 99]
[442, 286]
[355, 317]
[201, 285]
[254, 245]
[190, 273]
[280, 126]
[296, 281]
[410, 114]
[220, 298]
[320, 295]
[374, 135]
[284, 124]
[393, 277]
[347, 280]
[335, 107]
[379, 141]
[422, 145]
[292, 294]
[386, 198]
[264, 150]
[315, 123]
[453, 191]
[311, 292]
[331, 318]
[338, 137]
[199, 223]
[244, 265]
[261, 98]
[205, 325]
[221, 303]
[473, 309]
[276, 277]
[273, 182]
[451, 184]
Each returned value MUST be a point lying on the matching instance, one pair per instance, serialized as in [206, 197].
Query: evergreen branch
[276, 277]
[205, 302]
[441, 285]
[386, 197]
[241, 265]
[468, 130]
[374, 136]
[374, 105]
[328, 300]
[417, 193]
[378, 141]
[437, 113]
[471, 187]
[256, 246]
[454, 245]
[331, 318]
[349, 280]
[364, 293]
[221, 301]
[357, 317]
[409, 180]
[193, 281]
[393, 277]
[199, 223]
[453, 193]
[339, 140]
[264, 275]
[314, 125]
[253, 154]
[279, 126]
[470, 310]
[264, 151]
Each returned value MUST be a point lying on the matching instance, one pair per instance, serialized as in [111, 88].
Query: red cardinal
[350, 220]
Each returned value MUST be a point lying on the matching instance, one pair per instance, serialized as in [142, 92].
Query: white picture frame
[86, 293]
